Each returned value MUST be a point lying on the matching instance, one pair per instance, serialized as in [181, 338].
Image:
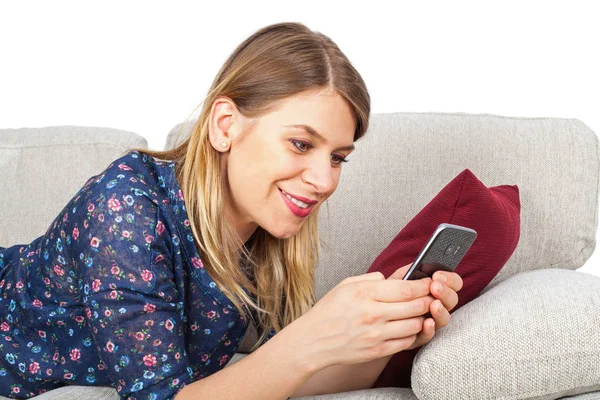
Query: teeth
[299, 203]
[296, 202]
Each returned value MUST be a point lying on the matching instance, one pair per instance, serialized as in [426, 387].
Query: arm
[137, 332]
[343, 378]
[269, 373]
[294, 378]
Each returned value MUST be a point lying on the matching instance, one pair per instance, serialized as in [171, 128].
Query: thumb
[400, 272]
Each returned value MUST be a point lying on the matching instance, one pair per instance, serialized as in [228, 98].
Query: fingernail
[442, 277]
[439, 287]
[439, 306]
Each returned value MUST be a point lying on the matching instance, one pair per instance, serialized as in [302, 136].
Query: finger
[440, 314]
[432, 325]
[394, 290]
[394, 346]
[400, 272]
[402, 328]
[425, 335]
[405, 309]
[447, 295]
[371, 276]
[451, 279]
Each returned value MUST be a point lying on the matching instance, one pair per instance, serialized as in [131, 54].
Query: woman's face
[274, 156]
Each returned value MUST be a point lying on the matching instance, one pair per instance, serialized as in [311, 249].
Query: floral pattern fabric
[114, 293]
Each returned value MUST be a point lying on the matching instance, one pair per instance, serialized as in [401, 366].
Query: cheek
[239, 177]
[289, 167]
[252, 178]
[281, 164]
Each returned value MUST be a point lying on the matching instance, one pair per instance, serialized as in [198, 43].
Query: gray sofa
[534, 331]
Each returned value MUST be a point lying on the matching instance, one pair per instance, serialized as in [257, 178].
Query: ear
[222, 115]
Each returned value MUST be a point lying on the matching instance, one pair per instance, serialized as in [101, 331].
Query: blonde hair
[276, 62]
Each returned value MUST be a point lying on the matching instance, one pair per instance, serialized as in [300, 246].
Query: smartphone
[444, 250]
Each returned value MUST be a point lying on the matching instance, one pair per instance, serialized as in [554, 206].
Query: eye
[297, 142]
[339, 159]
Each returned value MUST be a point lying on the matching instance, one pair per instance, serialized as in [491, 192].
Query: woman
[147, 278]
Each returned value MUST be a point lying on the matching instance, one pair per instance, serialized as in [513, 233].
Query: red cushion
[493, 212]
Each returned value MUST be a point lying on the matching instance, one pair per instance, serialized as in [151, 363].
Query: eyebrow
[309, 129]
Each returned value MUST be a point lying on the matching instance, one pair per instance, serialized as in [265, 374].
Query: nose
[320, 175]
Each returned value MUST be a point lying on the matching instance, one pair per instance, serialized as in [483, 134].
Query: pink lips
[303, 199]
[300, 212]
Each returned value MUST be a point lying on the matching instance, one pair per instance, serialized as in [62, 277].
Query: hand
[361, 319]
[446, 298]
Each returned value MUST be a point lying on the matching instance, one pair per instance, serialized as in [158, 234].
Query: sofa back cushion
[41, 169]
[406, 158]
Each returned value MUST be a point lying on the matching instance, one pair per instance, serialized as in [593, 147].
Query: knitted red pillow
[493, 212]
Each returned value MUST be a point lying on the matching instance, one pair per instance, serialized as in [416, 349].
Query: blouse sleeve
[119, 242]
[271, 333]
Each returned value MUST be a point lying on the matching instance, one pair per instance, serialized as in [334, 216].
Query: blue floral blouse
[114, 293]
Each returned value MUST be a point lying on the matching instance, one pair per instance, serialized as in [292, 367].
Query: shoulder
[131, 178]
[132, 173]
[121, 202]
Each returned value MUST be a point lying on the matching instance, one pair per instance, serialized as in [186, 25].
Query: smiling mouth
[297, 202]
[302, 200]
[295, 206]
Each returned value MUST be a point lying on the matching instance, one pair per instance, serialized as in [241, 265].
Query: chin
[285, 234]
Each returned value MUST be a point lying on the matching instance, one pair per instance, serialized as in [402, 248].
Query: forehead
[327, 113]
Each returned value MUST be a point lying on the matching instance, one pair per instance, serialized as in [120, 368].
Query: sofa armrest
[533, 335]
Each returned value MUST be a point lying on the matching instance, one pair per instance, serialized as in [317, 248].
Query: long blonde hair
[276, 62]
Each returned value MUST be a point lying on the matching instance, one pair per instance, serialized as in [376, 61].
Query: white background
[144, 66]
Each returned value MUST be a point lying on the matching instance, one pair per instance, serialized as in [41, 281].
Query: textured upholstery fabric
[107, 393]
[533, 336]
[79, 393]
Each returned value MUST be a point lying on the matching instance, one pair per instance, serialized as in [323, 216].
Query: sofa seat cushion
[534, 335]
